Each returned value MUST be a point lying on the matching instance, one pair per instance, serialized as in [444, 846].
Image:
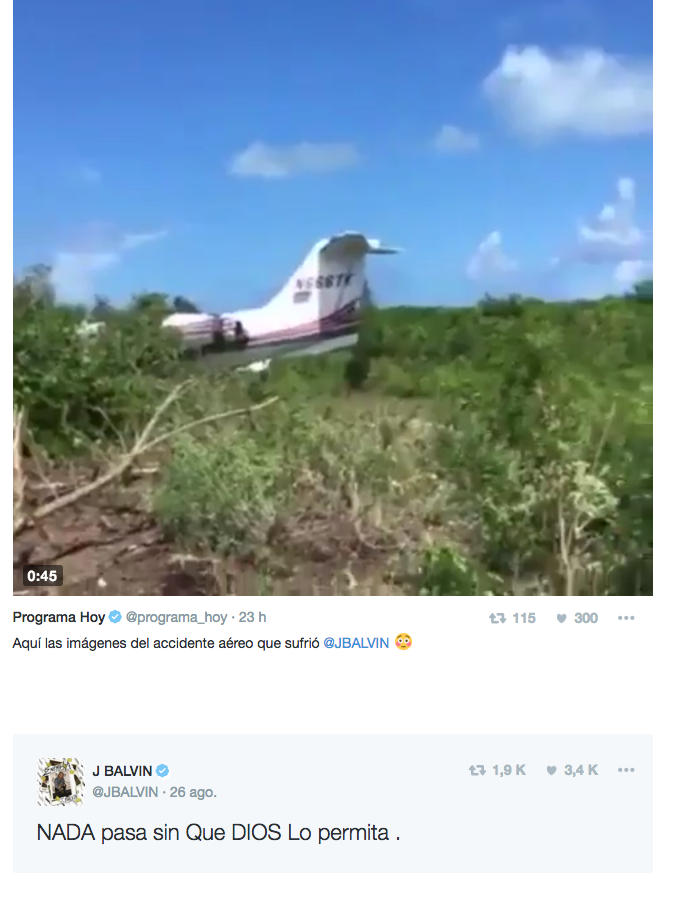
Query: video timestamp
[42, 575]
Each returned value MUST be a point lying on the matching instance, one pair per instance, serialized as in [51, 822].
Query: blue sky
[202, 147]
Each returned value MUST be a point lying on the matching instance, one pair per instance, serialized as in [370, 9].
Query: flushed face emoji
[403, 641]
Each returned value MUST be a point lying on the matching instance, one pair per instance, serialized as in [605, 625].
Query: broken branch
[142, 445]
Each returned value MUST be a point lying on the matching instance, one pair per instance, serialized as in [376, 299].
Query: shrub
[75, 390]
[444, 571]
[221, 495]
[357, 370]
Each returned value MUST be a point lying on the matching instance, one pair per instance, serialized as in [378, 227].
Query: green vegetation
[504, 448]
[76, 390]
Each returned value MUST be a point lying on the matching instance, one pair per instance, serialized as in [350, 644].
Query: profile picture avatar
[60, 781]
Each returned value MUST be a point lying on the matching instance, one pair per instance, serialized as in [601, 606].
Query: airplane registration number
[324, 281]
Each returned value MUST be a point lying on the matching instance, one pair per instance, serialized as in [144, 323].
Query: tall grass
[502, 448]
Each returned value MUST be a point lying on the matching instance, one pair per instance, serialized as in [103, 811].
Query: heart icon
[561, 618]
[551, 769]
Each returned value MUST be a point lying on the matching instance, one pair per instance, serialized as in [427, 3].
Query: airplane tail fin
[323, 296]
[332, 276]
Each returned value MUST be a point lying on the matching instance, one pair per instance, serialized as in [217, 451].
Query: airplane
[316, 310]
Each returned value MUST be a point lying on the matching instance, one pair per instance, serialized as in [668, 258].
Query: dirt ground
[110, 545]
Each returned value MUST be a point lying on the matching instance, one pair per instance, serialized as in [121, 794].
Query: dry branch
[19, 477]
[141, 445]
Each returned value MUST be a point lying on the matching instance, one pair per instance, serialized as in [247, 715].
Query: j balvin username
[130, 770]
[196, 832]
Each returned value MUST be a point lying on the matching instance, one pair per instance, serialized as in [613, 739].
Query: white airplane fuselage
[318, 308]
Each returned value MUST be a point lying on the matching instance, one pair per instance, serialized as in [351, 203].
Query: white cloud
[584, 91]
[607, 250]
[265, 161]
[131, 241]
[99, 248]
[72, 273]
[631, 270]
[452, 139]
[613, 236]
[489, 259]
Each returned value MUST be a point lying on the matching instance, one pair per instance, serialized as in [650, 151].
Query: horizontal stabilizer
[353, 243]
[376, 247]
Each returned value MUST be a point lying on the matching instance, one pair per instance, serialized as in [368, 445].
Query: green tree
[182, 304]
[35, 288]
[102, 309]
[643, 290]
[151, 303]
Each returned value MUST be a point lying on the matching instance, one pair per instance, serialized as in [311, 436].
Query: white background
[621, 684]
[438, 816]
[462, 675]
